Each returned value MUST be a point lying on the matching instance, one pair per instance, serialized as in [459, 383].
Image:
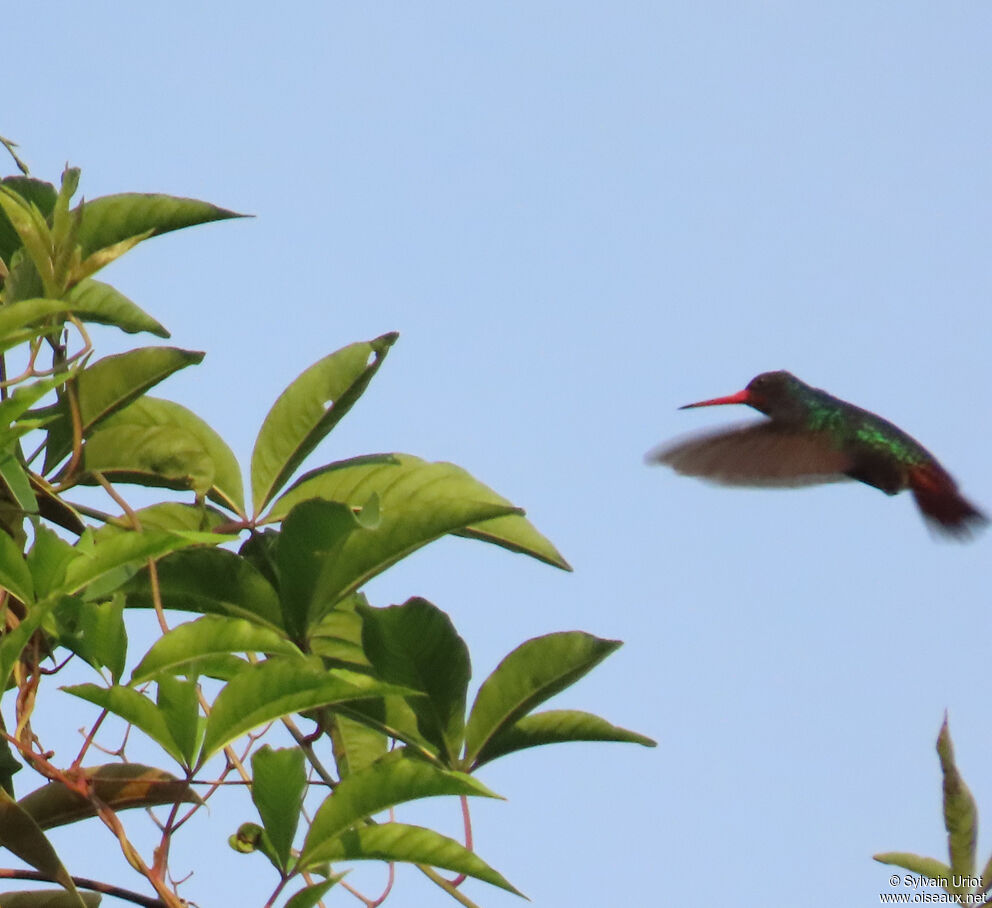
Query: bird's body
[813, 437]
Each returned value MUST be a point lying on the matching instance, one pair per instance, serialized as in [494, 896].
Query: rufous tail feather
[942, 504]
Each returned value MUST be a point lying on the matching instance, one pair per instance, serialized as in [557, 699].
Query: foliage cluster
[263, 621]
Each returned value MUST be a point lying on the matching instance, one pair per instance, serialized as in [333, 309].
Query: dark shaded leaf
[416, 645]
[209, 581]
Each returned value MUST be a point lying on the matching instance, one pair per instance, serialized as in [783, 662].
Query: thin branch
[85, 883]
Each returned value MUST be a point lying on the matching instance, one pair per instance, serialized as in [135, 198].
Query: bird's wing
[755, 454]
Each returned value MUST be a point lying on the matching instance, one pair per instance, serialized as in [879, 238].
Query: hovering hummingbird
[812, 437]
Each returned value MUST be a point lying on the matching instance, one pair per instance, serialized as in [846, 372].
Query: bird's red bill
[741, 397]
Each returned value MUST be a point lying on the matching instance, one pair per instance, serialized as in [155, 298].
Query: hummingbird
[812, 437]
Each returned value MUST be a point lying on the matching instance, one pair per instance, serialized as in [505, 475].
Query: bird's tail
[942, 504]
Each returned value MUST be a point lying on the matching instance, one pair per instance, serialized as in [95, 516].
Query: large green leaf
[280, 687]
[536, 670]
[555, 726]
[95, 301]
[416, 645]
[418, 503]
[20, 834]
[113, 218]
[109, 385]
[517, 534]
[121, 786]
[412, 844]
[134, 708]
[209, 581]
[395, 779]
[279, 783]
[158, 442]
[308, 410]
[210, 635]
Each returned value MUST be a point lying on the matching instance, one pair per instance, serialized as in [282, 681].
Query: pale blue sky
[580, 216]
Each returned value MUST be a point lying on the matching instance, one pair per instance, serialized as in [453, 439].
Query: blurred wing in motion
[755, 454]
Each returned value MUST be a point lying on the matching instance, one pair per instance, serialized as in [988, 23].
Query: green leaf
[49, 898]
[393, 717]
[355, 745]
[517, 534]
[309, 896]
[418, 503]
[555, 726]
[154, 457]
[308, 410]
[95, 261]
[12, 643]
[95, 301]
[338, 636]
[20, 834]
[40, 193]
[134, 708]
[535, 671]
[158, 442]
[930, 868]
[15, 478]
[16, 316]
[15, 576]
[209, 581]
[412, 844]
[280, 687]
[121, 786]
[393, 780]
[179, 705]
[310, 544]
[113, 218]
[47, 559]
[32, 230]
[210, 635]
[53, 507]
[109, 385]
[24, 396]
[124, 551]
[279, 783]
[167, 515]
[960, 812]
[95, 631]
[416, 645]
